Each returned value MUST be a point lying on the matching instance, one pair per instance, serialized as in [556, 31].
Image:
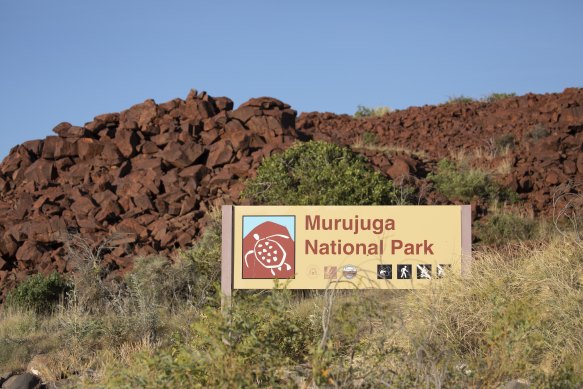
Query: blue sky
[71, 60]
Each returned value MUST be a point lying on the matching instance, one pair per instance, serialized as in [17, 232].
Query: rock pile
[534, 142]
[147, 176]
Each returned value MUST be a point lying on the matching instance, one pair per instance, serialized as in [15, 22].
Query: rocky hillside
[147, 177]
[534, 142]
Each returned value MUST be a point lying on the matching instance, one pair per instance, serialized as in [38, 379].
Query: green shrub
[255, 343]
[192, 277]
[506, 227]
[537, 132]
[461, 99]
[363, 112]
[39, 293]
[503, 143]
[498, 96]
[369, 138]
[460, 182]
[319, 173]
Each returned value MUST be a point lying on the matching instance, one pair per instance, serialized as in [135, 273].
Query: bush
[537, 132]
[318, 173]
[192, 278]
[518, 316]
[253, 344]
[363, 111]
[461, 99]
[498, 96]
[39, 293]
[369, 138]
[503, 143]
[458, 181]
[506, 227]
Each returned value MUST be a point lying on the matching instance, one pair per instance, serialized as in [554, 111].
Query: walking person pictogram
[404, 272]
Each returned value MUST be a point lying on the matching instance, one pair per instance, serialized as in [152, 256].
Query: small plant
[504, 143]
[502, 228]
[537, 132]
[458, 181]
[363, 112]
[461, 99]
[369, 138]
[498, 96]
[319, 173]
[39, 293]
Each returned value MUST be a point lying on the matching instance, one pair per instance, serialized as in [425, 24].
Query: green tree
[319, 173]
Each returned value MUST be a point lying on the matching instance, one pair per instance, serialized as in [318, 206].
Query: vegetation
[504, 227]
[363, 112]
[537, 132]
[504, 143]
[39, 293]
[460, 182]
[498, 96]
[518, 316]
[315, 173]
[461, 99]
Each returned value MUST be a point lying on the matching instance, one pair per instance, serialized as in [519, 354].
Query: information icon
[404, 272]
[384, 272]
[423, 272]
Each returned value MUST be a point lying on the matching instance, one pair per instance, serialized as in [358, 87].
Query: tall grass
[518, 316]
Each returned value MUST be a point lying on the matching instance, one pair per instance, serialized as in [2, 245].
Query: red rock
[220, 154]
[243, 114]
[89, 148]
[34, 147]
[143, 202]
[197, 109]
[569, 167]
[55, 147]
[265, 103]
[8, 246]
[224, 103]
[28, 252]
[399, 169]
[163, 139]
[139, 116]
[580, 162]
[182, 156]
[126, 142]
[149, 148]
[209, 137]
[42, 172]
[154, 171]
[108, 210]
[66, 130]
[196, 171]
[82, 205]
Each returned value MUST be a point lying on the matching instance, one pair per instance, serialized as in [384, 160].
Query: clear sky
[69, 60]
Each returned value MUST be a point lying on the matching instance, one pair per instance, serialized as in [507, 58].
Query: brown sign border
[227, 254]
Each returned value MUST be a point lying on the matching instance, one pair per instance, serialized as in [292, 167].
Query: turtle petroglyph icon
[268, 247]
[270, 254]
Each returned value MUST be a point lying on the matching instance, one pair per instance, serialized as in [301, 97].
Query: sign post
[352, 247]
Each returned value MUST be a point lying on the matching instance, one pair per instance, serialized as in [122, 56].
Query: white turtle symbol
[269, 253]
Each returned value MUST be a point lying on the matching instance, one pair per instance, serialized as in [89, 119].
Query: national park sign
[368, 247]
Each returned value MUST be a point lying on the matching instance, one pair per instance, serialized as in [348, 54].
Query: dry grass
[360, 145]
[519, 315]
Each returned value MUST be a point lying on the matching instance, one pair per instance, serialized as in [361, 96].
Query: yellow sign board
[366, 247]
